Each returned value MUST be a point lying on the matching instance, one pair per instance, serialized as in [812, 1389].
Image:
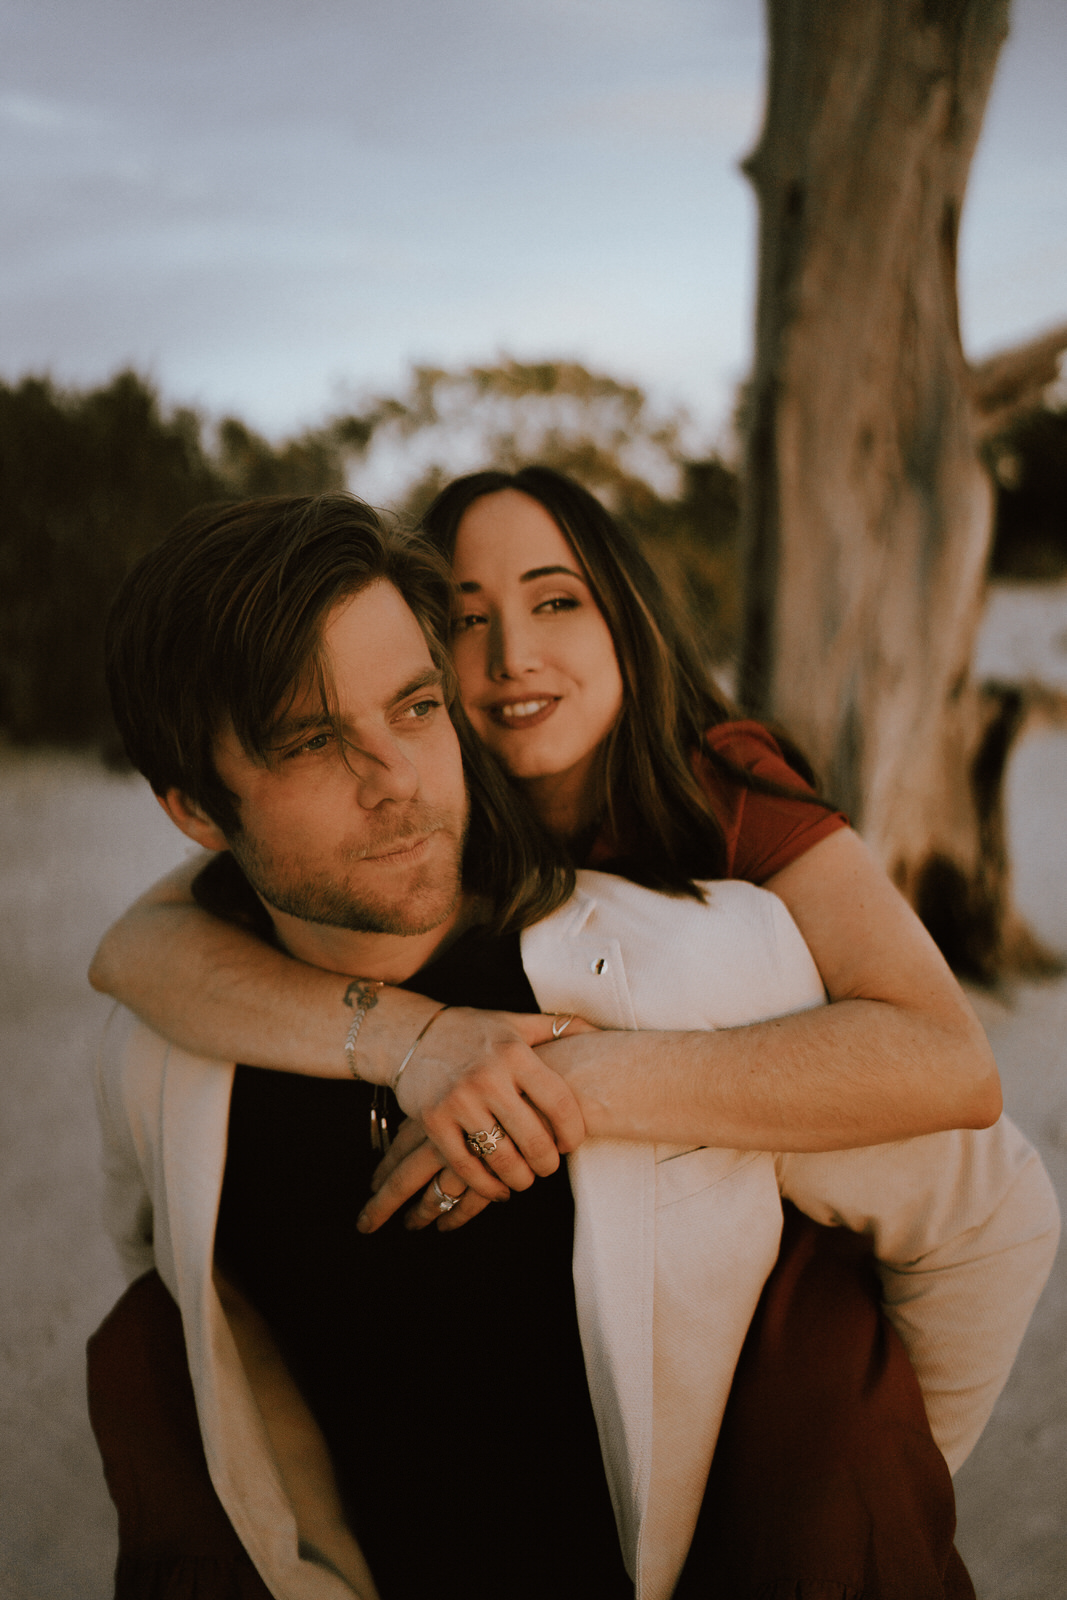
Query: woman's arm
[897, 1053]
[218, 991]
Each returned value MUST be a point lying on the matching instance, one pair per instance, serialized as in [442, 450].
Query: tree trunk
[868, 513]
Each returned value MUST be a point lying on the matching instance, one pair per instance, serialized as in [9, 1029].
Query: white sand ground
[75, 845]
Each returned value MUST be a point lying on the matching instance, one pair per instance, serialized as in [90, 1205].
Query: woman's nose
[513, 649]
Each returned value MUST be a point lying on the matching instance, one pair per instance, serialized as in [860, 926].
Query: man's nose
[383, 771]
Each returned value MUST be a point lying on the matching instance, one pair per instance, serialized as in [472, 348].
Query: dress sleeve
[764, 833]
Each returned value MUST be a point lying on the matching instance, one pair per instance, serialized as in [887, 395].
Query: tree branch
[1014, 381]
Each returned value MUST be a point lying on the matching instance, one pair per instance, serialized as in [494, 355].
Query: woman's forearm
[899, 1051]
[858, 1072]
[218, 991]
[839, 1077]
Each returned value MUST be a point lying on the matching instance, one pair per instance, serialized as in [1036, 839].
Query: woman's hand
[412, 1164]
[476, 1072]
[415, 1159]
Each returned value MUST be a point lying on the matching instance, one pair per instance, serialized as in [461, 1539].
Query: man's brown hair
[221, 626]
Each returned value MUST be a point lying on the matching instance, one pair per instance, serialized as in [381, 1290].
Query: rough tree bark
[868, 513]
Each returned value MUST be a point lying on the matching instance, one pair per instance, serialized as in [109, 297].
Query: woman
[586, 690]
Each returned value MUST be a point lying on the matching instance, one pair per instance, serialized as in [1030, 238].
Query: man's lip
[399, 849]
[546, 702]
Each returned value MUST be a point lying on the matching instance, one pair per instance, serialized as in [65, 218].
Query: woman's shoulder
[750, 745]
[764, 832]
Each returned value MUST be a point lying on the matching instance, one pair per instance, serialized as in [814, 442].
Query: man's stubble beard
[325, 898]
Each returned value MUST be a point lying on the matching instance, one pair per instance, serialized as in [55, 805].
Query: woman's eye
[559, 602]
[470, 620]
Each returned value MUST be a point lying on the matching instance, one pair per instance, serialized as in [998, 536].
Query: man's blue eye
[317, 742]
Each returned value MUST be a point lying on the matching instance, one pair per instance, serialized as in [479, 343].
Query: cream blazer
[672, 1245]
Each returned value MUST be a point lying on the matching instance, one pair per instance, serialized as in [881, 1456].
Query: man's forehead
[373, 655]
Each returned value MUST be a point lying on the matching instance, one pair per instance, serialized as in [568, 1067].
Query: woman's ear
[188, 816]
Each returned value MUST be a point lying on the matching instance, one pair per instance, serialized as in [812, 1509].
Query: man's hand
[477, 1072]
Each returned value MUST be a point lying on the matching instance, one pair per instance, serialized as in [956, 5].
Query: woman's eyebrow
[528, 577]
[549, 572]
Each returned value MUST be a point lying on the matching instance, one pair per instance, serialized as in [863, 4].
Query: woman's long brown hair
[649, 799]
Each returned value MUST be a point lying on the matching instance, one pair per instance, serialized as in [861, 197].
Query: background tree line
[90, 479]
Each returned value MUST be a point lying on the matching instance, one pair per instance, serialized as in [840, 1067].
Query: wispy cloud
[36, 114]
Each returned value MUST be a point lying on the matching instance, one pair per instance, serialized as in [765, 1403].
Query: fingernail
[363, 1223]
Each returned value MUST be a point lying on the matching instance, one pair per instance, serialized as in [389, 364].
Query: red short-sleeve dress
[764, 832]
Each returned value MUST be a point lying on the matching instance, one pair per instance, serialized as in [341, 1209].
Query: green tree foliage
[1030, 466]
[87, 482]
[91, 479]
[250, 466]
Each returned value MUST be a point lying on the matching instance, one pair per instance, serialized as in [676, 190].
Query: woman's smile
[521, 714]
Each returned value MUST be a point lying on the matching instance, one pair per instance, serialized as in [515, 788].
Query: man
[278, 676]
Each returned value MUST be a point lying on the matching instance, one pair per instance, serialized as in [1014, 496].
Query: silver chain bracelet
[362, 994]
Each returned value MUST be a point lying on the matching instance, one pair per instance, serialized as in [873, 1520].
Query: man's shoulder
[129, 1045]
[671, 961]
[135, 1065]
[729, 909]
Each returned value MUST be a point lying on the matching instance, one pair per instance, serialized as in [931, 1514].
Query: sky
[273, 207]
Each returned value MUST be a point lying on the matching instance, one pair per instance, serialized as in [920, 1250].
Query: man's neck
[391, 957]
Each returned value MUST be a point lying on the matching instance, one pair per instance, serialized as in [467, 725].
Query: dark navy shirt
[445, 1370]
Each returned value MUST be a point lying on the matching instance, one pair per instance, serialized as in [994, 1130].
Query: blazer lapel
[614, 1185]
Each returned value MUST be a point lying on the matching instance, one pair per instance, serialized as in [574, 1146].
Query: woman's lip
[543, 706]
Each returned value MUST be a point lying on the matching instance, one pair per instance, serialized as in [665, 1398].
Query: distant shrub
[1030, 466]
[88, 481]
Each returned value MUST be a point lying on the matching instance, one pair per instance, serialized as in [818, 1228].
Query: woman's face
[537, 669]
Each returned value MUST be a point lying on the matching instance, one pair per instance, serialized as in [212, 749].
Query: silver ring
[445, 1202]
[483, 1144]
[562, 1023]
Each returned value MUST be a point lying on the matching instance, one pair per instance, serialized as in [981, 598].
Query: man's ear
[188, 816]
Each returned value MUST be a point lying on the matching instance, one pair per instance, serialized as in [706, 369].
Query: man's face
[373, 846]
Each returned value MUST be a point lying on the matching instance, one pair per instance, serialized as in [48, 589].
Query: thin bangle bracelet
[418, 1040]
